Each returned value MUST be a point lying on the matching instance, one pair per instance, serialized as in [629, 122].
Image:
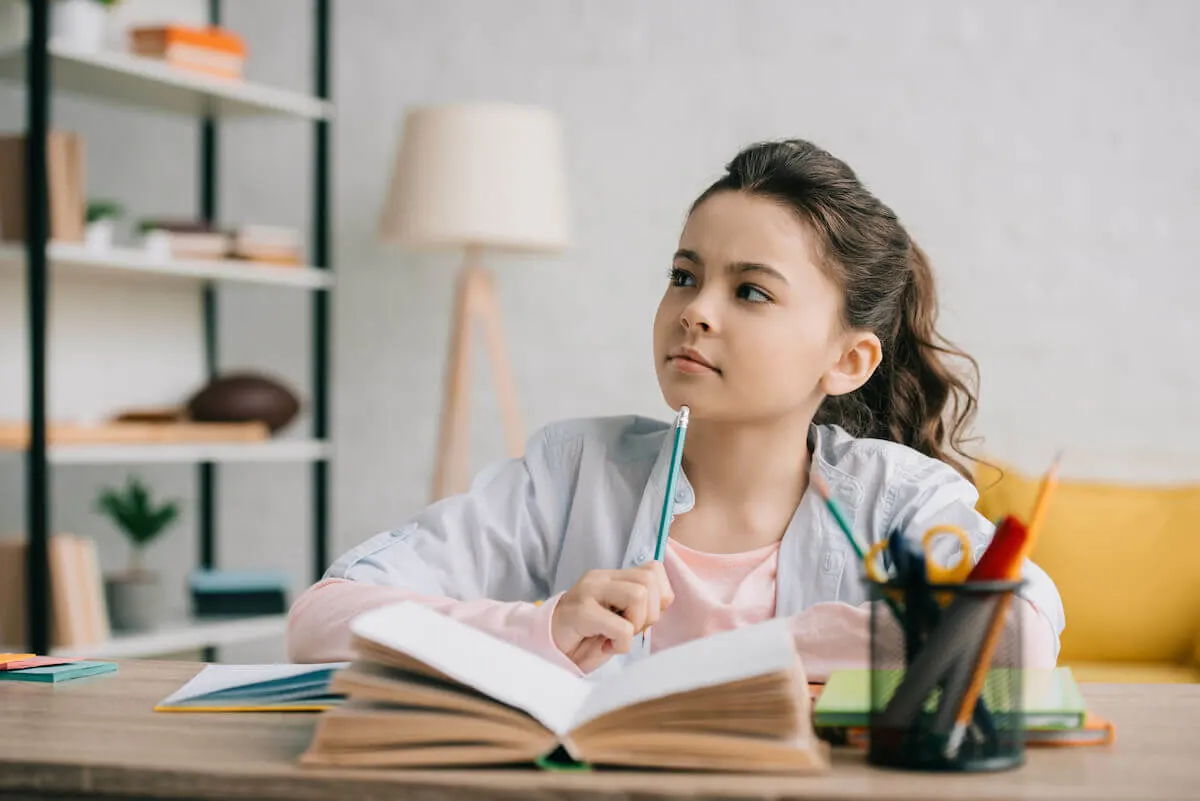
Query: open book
[428, 690]
[256, 688]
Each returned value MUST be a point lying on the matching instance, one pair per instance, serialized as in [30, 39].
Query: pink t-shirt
[713, 593]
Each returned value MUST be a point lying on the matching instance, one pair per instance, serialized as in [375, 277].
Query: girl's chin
[699, 407]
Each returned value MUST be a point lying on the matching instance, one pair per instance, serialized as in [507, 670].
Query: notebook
[1051, 698]
[256, 688]
[427, 690]
[59, 673]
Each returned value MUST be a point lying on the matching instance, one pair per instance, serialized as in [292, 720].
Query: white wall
[1042, 152]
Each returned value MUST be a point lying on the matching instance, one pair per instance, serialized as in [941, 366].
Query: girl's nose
[696, 315]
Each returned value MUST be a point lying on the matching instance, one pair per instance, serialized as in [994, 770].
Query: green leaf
[102, 208]
[133, 512]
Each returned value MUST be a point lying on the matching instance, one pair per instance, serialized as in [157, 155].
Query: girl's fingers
[630, 599]
[599, 620]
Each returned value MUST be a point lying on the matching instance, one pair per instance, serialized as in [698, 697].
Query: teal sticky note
[56, 673]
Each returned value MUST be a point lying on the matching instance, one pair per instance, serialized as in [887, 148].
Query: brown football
[244, 398]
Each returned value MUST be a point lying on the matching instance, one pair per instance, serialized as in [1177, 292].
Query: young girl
[798, 326]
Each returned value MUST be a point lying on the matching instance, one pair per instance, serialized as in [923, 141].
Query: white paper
[717, 659]
[496, 668]
[214, 678]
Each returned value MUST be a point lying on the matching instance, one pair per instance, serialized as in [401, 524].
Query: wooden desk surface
[99, 737]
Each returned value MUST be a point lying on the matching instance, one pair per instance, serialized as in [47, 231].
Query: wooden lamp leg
[474, 298]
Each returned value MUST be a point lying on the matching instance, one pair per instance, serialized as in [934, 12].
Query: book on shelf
[15, 435]
[66, 186]
[428, 690]
[80, 611]
[186, 239]
[267, 243]
[212, 50]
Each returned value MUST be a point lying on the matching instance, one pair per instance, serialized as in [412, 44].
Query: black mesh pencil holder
[927, 644]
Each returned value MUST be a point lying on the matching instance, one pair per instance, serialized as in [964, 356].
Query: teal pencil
[836, 511]
[844, 525]
[664, 523]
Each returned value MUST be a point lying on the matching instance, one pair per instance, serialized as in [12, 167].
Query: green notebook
[57, 673]
[1050, 697]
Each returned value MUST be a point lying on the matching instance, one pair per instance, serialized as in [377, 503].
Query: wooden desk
[99, 738]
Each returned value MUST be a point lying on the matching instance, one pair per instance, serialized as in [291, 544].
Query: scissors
[904, 558]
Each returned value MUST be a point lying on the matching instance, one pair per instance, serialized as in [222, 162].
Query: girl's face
[749, 329]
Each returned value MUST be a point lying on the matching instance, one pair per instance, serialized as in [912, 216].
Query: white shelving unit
[180, 636]
[71, 258]
[148, 84]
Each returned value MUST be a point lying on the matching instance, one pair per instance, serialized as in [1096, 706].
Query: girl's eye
[680, 277]
[753, 294]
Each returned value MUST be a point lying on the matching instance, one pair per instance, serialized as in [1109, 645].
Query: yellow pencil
[1042, 502]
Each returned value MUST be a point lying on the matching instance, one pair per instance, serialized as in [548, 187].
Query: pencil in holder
[946, 680]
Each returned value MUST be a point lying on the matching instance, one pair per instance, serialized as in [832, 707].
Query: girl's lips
[685, 365]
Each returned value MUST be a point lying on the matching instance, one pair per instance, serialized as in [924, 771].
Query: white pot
[98, 235]
[157, 245]
[79, 24]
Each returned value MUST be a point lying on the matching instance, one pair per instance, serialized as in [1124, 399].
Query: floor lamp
[476, 178]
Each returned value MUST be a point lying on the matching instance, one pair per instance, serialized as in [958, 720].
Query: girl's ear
[861, 355]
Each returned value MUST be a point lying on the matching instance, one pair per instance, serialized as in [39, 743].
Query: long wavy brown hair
[914, 397]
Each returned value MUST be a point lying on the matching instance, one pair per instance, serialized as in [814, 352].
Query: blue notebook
[58, 673]
[256, 688]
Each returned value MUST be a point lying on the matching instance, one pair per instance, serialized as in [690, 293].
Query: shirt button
[643, 555]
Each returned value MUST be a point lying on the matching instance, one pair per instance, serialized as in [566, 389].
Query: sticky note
[57, 673]
[38, 661]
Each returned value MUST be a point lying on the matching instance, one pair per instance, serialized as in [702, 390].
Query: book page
[496, 668]
[717, 659]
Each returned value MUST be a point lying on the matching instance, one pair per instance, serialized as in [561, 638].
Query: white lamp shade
[478, 175]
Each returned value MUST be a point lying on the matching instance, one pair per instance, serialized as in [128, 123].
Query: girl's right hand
[602, 613]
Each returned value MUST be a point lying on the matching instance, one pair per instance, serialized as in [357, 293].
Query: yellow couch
[1126, 560]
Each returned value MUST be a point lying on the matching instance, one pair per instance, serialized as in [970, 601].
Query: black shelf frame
[39, 83]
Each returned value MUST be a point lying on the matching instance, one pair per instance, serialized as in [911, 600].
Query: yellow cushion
[1126, 560]
[1135, 672]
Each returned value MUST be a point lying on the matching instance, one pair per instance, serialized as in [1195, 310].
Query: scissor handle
[956, 573]
[871, 562]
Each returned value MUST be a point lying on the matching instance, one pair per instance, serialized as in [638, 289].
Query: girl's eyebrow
[737, 267]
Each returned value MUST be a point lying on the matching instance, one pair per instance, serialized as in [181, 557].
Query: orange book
[210, 38]
[213, 50]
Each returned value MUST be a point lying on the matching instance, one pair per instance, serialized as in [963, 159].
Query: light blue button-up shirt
[588, 494]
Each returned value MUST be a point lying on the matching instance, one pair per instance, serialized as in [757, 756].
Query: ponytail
[913, 398]
[929, 407]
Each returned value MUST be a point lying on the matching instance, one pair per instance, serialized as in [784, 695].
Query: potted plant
[101, 220]
[80, 24]
[134, 596]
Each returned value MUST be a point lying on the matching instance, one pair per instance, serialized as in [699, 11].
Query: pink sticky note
[38, 661]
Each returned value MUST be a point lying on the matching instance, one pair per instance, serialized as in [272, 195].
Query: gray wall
[1042, 152]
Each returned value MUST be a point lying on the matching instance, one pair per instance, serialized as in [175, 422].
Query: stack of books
[196, 239]
[211, 50]
[267, 243]
[188, 239]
